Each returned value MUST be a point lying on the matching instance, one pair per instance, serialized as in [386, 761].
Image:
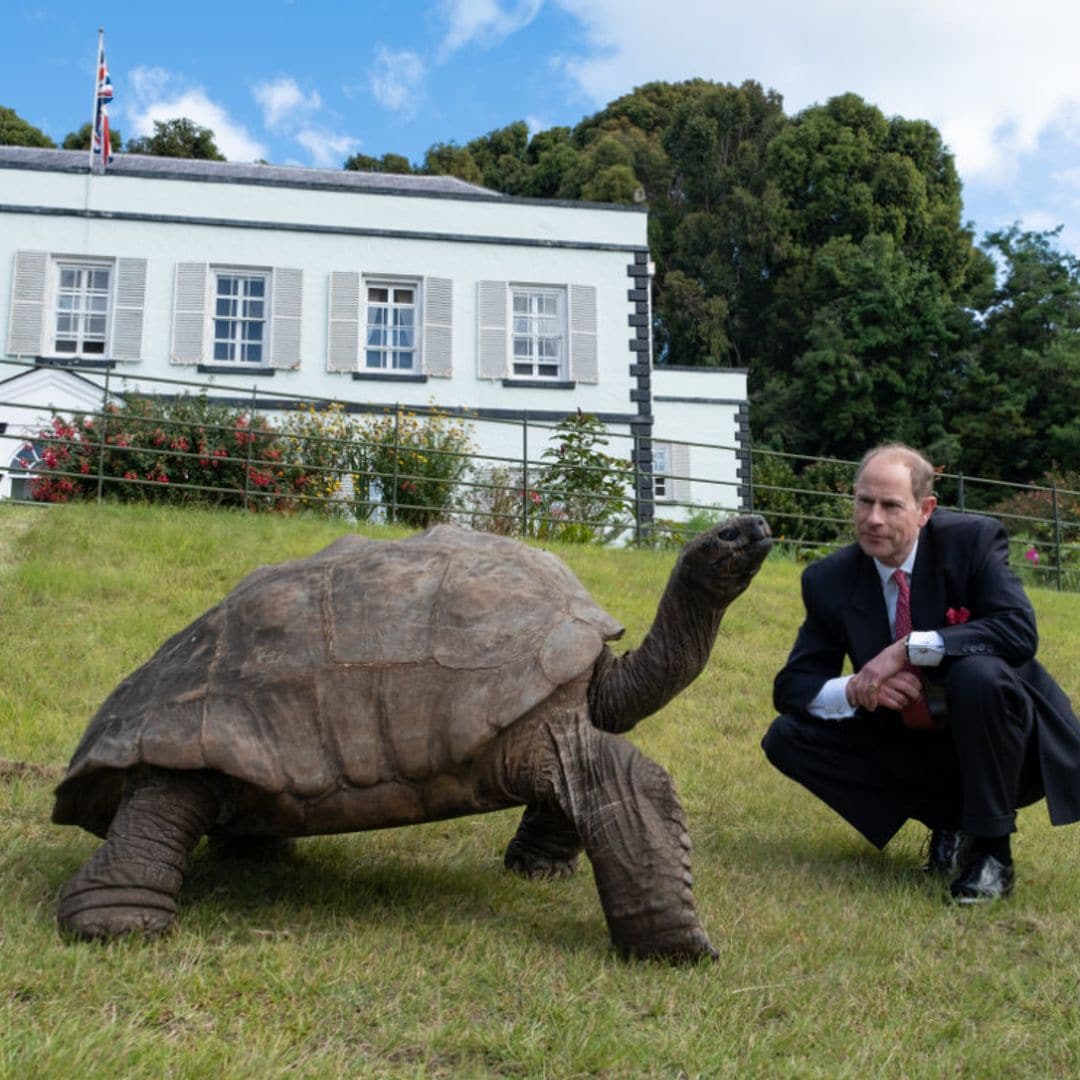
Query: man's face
[888, 517]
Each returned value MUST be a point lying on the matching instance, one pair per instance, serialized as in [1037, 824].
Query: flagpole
[97, 78]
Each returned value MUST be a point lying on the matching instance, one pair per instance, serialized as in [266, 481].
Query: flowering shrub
[189, 449]
[416, 463]
[325, 449]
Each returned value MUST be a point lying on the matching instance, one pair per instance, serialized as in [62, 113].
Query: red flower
[955, 616]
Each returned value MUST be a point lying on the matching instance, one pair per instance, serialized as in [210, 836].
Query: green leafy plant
[581, 492]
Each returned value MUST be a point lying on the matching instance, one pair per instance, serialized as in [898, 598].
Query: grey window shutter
[286, 301]
[680, 472]
[584, 361]
[129, 300]
[343, 332]
[491, 354]
[189, 313]
[27, 303]
[438, 329]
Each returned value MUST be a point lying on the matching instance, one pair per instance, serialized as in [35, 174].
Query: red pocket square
[955, 616]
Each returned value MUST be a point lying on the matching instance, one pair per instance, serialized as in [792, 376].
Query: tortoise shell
[370, 663]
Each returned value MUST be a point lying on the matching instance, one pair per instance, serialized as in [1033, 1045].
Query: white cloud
[397, 80]
[327, 149]
[994, 76]
[283, 103]
[485, 21]
[153, 98]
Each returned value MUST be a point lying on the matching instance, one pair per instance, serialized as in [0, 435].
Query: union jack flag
[102, 141]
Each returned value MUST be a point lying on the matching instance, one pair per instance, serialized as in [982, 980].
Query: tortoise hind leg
[546, 844]
[130, 885]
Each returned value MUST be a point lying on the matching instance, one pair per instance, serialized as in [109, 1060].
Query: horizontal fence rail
[416, 465]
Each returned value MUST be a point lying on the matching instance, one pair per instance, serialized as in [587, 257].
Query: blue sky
[308, 82]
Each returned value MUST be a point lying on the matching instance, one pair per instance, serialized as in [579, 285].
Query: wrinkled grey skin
[385, 683]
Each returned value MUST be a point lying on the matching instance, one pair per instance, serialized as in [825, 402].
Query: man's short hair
[922, 472]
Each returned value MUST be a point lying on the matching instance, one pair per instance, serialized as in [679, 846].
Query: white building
[369, 289]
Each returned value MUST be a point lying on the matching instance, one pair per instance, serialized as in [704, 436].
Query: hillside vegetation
[411, 953]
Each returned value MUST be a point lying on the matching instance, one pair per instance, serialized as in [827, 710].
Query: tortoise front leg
[546, 844]
[624, 808]
[636, 838]
[130, 885]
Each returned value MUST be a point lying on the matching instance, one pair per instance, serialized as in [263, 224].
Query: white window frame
[391, 351]
[80, 312]
[241, 318]
[529, 337]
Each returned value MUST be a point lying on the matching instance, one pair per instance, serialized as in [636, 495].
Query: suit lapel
[927, 584]
[869, 618]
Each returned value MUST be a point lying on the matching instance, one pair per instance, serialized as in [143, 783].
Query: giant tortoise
[383, 683]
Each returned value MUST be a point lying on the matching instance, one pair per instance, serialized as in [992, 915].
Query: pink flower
[1032, 555]
[955, 616]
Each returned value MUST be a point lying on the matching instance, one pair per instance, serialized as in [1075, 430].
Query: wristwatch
[924, 648]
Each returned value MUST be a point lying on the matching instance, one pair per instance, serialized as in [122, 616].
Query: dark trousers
[875, 773]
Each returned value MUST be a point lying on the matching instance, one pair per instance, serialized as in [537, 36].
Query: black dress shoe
[986, 878]
[946, 851]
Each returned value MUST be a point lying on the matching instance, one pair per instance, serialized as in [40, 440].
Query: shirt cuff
[831, 702]
[925, 648]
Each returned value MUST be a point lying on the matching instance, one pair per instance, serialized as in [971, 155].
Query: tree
[1015, 414]
[449, 159]
[84, 137]
[15, 131]
[180, 138]
[388, 163]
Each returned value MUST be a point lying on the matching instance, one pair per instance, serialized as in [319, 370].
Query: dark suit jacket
[962, 562]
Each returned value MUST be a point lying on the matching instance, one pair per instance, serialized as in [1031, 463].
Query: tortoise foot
[686, 948]
[533, 862]
[99, 914]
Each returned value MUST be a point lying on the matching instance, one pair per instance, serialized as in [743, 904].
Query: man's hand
[884, 681]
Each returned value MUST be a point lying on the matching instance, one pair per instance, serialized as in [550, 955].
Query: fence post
[397, 450]
[250, 446]
[101, 438]
[635, 457]
[524, 474]
[749, 477]
[960, 492]
[1057, 534]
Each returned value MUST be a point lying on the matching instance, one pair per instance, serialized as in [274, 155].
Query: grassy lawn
[411, 953]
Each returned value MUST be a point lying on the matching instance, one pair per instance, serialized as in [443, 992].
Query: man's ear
[926, 508]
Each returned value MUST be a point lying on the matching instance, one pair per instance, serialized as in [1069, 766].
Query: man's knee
[973, 679]
[780, 742]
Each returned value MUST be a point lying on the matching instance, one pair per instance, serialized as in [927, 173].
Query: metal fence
[508, 488]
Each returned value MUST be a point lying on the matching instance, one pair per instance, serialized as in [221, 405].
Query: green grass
[411, 953]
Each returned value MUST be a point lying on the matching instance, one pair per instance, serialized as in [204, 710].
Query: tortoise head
[724, 559]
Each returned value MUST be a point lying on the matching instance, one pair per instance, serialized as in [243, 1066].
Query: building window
[239, 317]
[390, 326]
[661, 464]
[538, 333]
[82, 309]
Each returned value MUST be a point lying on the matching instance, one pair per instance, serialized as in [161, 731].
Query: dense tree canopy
[82, 139]
[181, 138]
[15, 131]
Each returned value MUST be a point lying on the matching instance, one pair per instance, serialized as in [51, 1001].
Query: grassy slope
[410, 953]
